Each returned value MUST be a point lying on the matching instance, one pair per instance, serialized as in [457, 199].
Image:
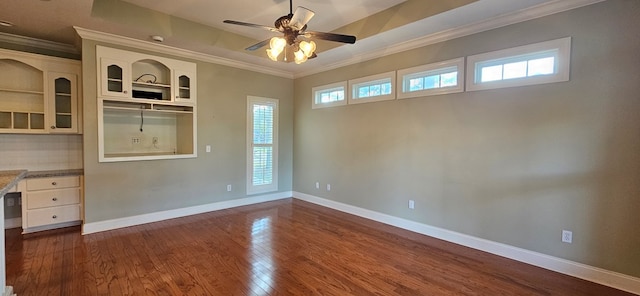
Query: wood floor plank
[286, 247]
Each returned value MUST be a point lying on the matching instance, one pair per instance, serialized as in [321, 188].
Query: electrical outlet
[135, 140]
[10, 202]
[317, 185]
[207, 148]
[567, 236]
[412, 204]
[229, 187]
[328, 187]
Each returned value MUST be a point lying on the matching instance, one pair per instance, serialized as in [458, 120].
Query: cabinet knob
[54, 183]
[54, 217]
[177, 97]
[54, 199]
[124, 91]
[53, 127]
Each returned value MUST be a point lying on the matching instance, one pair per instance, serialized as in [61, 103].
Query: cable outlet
[412, 204]
[567, 236]
[155, 140]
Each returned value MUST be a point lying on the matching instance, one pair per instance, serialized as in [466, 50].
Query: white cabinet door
[184, 87]
[63, 102]
[115, 78]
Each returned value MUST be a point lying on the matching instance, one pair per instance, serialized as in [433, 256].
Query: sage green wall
[514, 166]
[123, 189]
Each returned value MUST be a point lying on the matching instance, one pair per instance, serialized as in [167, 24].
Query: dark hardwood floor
[287, 247]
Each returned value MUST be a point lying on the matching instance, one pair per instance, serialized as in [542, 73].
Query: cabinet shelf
[158, 85]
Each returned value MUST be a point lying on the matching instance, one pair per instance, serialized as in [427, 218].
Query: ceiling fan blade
[331, 37]
[272, 29]
[300, 18]
[258, 45]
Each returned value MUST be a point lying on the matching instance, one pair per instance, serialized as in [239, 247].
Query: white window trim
[356, 82]
[434, 67]
[563, 59]
[256, 189]
[318, 89]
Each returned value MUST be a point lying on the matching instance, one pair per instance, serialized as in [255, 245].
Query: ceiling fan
[292, 26]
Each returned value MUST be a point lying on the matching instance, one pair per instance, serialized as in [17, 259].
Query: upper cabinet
[137, 76]
[146, 106]
[38, 94]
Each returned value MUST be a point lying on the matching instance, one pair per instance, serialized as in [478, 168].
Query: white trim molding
[8, 291]
[594, 274]
[100, 226]
[38, 43]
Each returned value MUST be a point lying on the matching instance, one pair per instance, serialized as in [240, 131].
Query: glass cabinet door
[115, 78]
[63, 103]
[184, 87]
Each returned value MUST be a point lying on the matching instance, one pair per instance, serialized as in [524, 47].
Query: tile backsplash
[40, 152]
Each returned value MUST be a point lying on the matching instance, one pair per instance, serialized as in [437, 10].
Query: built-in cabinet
[146, 106]
[51, 202]
[38, 94]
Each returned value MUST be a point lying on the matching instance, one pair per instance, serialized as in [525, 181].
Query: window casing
[380, 87]
[544, 62]
[432, 79]
[329, 95]
[262, 145]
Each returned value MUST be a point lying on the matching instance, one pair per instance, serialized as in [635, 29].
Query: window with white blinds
[262, 148]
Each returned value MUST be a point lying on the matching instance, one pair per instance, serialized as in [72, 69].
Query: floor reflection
[262, 265]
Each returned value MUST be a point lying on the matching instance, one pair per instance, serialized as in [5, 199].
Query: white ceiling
[54, 20]
[330, 14]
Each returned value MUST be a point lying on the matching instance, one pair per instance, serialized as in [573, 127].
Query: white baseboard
[8, 291]
[12, 223]
[99, 226]
[594, 274]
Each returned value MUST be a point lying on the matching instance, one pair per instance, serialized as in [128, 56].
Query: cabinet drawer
[53, 183]
[53, 198]
[53, 215]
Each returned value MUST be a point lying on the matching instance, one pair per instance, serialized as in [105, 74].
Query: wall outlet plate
[567, 236]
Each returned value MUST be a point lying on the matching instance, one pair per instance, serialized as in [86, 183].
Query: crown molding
[38, 43]
[161, 48]
[534, 12]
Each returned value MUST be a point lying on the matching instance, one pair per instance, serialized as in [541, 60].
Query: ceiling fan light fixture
[308, 48]
[273, 54]
[299, 56]
[278, 44]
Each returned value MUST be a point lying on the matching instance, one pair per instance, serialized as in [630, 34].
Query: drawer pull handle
[54, 217]
[54, 183]
[54, 199]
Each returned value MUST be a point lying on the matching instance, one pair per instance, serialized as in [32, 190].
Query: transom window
[432, 79]
[538, 63]
[372, 88]
[531, 66]
[329, 95]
